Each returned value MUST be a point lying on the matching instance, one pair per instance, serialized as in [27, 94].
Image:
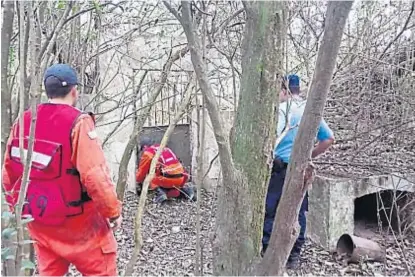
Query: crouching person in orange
[170, 176]
[70, 194]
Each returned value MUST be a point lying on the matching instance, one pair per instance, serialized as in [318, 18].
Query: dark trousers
[273, 198]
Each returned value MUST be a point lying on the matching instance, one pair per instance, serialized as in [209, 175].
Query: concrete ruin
[331, 209]
[332, 204]
[331, 200]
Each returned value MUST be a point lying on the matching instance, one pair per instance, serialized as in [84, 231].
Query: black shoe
[293, 262]
[264, 248]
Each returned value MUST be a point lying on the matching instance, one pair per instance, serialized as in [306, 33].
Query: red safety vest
[54, 191]
[166, 161]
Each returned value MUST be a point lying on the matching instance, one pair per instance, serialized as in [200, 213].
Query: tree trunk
[241, 203]
[6, 102]
[254, 132]
[241, 196]
[6, 32]
[296, 183]
[201, 120]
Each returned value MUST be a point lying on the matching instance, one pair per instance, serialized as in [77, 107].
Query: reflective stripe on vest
[36, 156]
[167, 156]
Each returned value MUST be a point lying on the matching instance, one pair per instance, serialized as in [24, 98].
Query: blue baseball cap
[64, 73]
[293, 80]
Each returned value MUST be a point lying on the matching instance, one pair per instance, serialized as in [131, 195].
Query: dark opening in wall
[380, 209]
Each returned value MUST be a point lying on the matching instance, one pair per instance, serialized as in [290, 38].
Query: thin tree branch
[140, 210]
[172, 10]
[404, 28]
[122, 172]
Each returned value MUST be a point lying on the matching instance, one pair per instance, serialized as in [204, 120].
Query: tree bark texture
[6, 101]
[22, 76]
[20, 251]
[254, 126]
[6, 33]
[241, 196]
[296, 184]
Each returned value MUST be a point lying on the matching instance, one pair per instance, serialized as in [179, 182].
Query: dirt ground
[169, 235]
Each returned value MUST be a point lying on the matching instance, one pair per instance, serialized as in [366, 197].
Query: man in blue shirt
[290, 111]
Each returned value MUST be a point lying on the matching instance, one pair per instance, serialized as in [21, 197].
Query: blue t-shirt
[296, 110]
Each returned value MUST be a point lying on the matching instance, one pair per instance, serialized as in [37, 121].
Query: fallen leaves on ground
[169, 235]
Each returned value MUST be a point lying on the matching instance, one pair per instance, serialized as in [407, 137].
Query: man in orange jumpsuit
[171, 177]
[70, 194]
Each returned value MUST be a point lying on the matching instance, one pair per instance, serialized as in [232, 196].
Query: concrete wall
[148, 49]
[331, 204]
[331, 210]
[179, 141]
[114, 150]
[211, 147]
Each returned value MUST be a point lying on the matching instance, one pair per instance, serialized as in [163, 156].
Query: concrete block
[331, 204]
[330, 211]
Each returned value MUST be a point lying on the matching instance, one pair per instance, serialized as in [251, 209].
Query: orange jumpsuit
[159, 180]
[85, 240]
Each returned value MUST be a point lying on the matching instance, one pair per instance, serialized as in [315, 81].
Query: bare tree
[6, 33]
[36, 72]
[201, 137]
[201, 115]
[300, 170]
[245, 170]
[6, 94]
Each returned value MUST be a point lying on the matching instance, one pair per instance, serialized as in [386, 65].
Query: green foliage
[61, 4]
[75, 8]
[6, 255]
[12, 56]
[8, 233]
[92, 36]
[260, 67]
[6, 215]
[97, 6]
[27, 264]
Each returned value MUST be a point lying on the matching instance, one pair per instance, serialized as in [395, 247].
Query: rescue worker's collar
[59, 101]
